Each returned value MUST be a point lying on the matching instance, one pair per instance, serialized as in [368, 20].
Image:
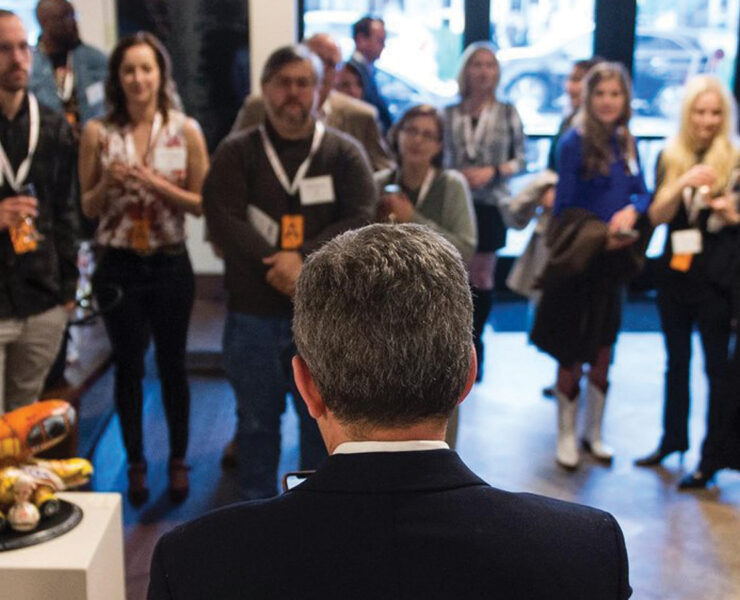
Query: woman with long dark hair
[599, 196]
[695, 286]
[484, 140]
[141, 171]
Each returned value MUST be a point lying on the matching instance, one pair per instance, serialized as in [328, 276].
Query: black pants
[710, 311]
[725, 453]
[158, 294]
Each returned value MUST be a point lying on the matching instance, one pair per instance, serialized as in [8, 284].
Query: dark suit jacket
[349, 115]
[395, 525]
[371, 93]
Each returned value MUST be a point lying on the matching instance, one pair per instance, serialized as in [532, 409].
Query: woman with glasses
[600, 195]
[141, 171]
[484, 140]
[694, 182]
[420, 191]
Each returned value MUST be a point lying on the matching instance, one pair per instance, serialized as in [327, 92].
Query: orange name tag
[291, 232]
[24, 236]
[681, 262]
[139, 235]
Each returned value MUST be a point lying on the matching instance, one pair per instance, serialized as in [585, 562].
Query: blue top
[90, 68]
[603, 195]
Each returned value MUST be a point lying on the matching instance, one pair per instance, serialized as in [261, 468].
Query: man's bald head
[323, 46]
[58, 25]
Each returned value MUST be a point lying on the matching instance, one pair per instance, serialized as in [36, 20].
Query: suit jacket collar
[391, 472]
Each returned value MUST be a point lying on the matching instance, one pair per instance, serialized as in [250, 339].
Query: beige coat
[353, 117]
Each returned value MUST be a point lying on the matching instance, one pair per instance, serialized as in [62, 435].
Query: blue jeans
[257, 355]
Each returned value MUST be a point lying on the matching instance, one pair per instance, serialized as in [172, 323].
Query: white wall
[96, 20]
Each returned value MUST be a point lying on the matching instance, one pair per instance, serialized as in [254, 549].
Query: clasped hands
[119, 172]
[285, 266]
[395, 208]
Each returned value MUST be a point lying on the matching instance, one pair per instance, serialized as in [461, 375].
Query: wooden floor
[682, 546]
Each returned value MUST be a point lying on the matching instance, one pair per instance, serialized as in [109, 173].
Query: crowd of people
[308, 159]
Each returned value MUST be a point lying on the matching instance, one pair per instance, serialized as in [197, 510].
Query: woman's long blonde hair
[681, 151]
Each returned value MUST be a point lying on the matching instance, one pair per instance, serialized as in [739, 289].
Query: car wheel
[528, 93]
[667, 101]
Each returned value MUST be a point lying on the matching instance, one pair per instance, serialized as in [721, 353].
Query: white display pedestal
[85, 563]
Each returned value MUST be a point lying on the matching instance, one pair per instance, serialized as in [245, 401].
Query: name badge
[316, 190]
[292, 232]
[167, 160]
[95, 93]
[686, 241]
[265, 226]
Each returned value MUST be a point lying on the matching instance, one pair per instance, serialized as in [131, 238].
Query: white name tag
[265, 226]
[686, 241]
[95, 93]
[316, 190]
[170, 159]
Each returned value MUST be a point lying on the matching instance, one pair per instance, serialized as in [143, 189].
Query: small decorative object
[29, 484]
[23, 516]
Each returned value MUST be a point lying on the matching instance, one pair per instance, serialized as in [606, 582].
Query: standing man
[369, 36]
[38, 227]
[67, 75]
[351, 116]
[274, 194]
[383, 320]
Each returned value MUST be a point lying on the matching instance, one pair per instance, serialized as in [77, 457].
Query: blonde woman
[694, 173]
[599, 196]
[484, 140]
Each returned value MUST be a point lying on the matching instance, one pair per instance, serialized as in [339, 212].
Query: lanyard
[6, 170]
[131, 147]
[472, 138]
[65, 90]
[277, 166]
[425, 185]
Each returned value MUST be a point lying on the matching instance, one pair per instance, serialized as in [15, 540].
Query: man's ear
[472, 372]
[306, 386]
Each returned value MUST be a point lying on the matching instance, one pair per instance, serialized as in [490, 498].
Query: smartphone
[295, 478]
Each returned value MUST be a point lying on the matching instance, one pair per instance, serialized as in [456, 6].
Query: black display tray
[67, 518]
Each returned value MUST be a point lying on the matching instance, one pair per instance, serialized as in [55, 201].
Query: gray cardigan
[502, 141]
[447, 208]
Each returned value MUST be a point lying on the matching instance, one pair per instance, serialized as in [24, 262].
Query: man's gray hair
[383, 319]
[290, 54]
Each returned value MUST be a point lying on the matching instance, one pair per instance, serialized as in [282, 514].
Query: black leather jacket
[36, 281]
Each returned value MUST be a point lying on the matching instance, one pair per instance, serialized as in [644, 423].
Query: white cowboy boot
[592, 442]
[567, 449]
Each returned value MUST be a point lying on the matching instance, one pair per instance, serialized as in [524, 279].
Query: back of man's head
[383, 319]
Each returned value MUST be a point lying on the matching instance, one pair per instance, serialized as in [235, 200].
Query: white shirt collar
[360, 58]
[405, 446]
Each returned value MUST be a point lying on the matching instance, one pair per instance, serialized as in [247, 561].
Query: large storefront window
[538, 42]
[674, 41]
[26, 11]
[423, 45]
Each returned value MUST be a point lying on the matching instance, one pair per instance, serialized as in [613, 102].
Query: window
[538, 43]
[26, 11]
[673, 42]
[423, 45]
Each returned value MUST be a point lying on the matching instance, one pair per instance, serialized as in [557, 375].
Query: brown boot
[179, 483]
[137, 490]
